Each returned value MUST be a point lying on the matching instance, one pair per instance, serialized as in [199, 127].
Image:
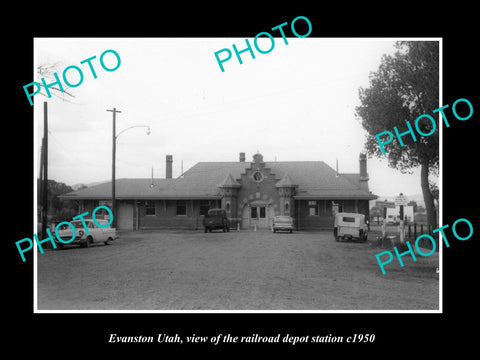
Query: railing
[414, 230]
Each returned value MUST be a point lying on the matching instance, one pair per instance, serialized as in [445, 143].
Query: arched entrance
[257, 213]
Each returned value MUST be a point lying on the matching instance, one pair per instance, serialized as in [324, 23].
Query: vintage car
[216, 219]
[350, 226]
[282, 223]
[96, 234]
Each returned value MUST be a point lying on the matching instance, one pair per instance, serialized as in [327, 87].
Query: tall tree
[405, 86]
[59, 210]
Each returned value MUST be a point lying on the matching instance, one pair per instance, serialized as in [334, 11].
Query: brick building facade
[251, 192]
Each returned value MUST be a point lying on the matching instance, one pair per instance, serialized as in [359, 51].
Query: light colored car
[282, 223]
[350, 226]
[96, 234]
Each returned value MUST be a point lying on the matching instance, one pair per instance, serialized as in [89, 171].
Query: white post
[402, 232]
[384, 228]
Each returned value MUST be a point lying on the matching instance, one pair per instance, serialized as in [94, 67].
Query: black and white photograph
[261, 187]
[297, 180]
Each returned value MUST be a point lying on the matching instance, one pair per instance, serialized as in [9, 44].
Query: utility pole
[40, 182]
[45, 171]
[114, 137]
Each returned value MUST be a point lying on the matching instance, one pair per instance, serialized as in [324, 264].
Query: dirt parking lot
[191, 270]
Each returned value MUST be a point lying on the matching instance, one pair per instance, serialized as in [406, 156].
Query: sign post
[401, 201]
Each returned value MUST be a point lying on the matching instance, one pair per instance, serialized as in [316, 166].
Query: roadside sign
[400, 200]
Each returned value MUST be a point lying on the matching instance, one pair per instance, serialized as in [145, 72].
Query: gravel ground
[233, 271]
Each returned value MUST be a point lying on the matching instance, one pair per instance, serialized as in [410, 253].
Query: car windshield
[216, 213]
[79, 225]
[283, 218]
[348, 219]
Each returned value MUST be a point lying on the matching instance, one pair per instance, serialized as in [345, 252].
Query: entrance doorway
[257, 214]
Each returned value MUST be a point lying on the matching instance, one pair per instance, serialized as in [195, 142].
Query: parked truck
[350, 226]
[216, 219]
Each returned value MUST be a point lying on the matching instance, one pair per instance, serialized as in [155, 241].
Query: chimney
[168, 171]
[363, 167]
[242, 157]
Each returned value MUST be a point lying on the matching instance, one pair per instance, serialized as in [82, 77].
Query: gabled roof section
[353, 178]
[229, 182]
[314, 180]
[216, 171]
[317, 180]
[285, 182]
[142, 189]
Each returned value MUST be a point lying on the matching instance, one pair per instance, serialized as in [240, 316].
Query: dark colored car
[216, 219]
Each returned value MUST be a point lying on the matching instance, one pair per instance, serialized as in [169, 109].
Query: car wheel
[88, 241]
[59, 246]
[107, 242]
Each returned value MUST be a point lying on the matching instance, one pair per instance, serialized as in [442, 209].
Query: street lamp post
[114, 148]
[114, 208]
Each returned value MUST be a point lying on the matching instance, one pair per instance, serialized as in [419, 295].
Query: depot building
[252, 193]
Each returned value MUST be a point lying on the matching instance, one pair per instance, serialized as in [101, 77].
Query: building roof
[285, 182]
[314, 180]
[229, 182]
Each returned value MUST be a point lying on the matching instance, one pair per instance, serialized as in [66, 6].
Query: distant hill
[79, 185]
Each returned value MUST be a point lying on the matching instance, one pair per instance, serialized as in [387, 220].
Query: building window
[150, 208]
[258, 176]
[253, 212]
[262, 212]
[181, 207]
[287, 208]
[312, 208]
[204, 207]
[227, 206]
[102, 213]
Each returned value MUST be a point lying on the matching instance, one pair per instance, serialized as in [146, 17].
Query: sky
[296, 103]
